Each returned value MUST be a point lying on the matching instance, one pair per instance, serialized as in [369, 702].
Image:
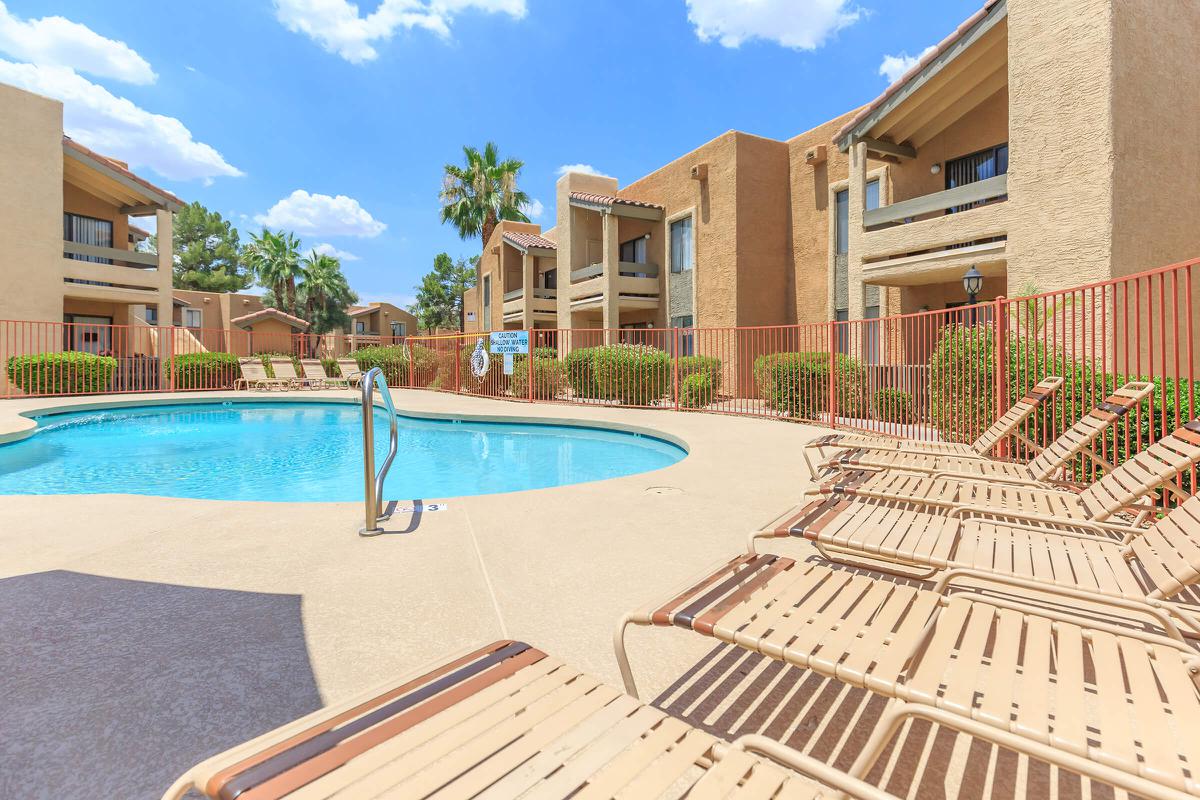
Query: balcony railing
[110, 255]
[538, 293]
[628, 269]
[898, 213]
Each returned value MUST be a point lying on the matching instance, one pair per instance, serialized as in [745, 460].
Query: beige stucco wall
[31, 170]
[496, 259]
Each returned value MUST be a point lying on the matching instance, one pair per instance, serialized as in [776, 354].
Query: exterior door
[91, 334]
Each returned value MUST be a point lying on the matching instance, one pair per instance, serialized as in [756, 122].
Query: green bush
[797, 384]
[493, 382]
[549, 376]
[696, 390]
[62, 373]
[581, 373]
[894, 405]
[267, 355]
[963, 403]
[392, 360]
[692, 365]
[205, 370]
[631, 374]
[330, 366]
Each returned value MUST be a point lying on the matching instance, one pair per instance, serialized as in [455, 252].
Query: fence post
[1000, 359]
[408, 344]
[457, 365]
[168, 361]
[831, 342]
[529, 358]
[675, 365]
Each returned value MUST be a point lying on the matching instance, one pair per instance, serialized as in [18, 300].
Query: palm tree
[325, 292]
[275, 259]
[475, 197]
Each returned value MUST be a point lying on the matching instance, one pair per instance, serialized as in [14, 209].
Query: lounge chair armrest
[964, 512]
[809, 767]
[947, 473]
[1016, 526]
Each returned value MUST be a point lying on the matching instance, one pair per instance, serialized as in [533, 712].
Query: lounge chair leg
[180, 788]
[885, 729]
[623, 657]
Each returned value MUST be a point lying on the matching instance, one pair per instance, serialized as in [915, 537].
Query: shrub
[631, 374]
[797, 384]
[696, 390]
[581, 373]
[493, 382]
[549, 376]
[62, 373]
[692, 365]
[205, 370]
[894, 405]
[392, 360]
[267, 355]
[330, 366]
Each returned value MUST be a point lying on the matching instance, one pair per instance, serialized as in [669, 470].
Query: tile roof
[608, 200]
[113, 165]
[896, 86]
[273, 313]
[528, 240]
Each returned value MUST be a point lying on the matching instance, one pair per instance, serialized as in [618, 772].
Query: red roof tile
[273, 313]
[941, 47]
[608, 200]
[528, 240]
[108, 162]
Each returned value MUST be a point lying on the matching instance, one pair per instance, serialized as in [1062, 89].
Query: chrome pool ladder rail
[372, 481]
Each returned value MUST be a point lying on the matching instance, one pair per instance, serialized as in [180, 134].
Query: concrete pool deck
[555, 567]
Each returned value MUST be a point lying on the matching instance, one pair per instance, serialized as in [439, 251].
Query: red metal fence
[941, 375]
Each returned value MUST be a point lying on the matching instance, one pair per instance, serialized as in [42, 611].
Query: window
[974, 168]
[192, 318]
[550, 279]
[360, 326]
[487, 300]
[151, 315]
[842, 332]
[399, 329]
[634, 251]
[841, 208]
[687, 344]
[87, 230]
[682, 257]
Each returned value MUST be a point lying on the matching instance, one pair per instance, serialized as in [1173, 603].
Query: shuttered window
[87, 230]
[974, 168]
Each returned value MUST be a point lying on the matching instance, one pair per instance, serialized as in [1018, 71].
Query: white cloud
[339, 28]
[115, 127]
[59, 42]
[584, 169]
[535, 209]
[799, 24]
[895, 66]
[326, 249]
[321, 215]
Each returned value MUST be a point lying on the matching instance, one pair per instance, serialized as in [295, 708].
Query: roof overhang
[965, 69]
[270, 313]
[618, 207]
[113, 183]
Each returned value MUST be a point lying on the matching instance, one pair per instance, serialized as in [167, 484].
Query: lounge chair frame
[350, 371]
[254, 376]
[314, 370]
[285, 370]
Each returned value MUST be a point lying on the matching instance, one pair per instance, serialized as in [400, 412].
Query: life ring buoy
[480, 361]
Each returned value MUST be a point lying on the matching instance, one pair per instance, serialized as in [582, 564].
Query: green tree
[475, 197]
[439, 295]
[207, 252]
[324, 293]
[275, 259]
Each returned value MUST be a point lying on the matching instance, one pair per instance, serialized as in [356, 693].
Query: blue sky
[334, 120]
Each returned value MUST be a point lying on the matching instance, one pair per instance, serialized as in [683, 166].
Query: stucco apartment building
[67, 246]
[1048, 143]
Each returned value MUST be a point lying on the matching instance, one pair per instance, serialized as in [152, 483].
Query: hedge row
[62, 373]
[797, 384]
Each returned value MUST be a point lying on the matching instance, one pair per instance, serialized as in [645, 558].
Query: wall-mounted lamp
[934, 169]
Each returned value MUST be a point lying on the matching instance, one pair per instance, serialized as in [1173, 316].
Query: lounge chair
[1117, 703]
[285, 370]
[1007, 425]
[513, 721]
[350, 371]
[1076, 440]
[314, 370]
[1125, 488]
[254, 376]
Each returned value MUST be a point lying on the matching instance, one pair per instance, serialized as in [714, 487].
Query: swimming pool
[299, 451]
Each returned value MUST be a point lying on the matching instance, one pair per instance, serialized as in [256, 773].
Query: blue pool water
[307, 452]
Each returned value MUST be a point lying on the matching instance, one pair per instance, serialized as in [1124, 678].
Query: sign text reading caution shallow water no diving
[510, 342]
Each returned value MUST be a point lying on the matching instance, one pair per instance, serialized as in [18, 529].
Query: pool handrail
[373, 482]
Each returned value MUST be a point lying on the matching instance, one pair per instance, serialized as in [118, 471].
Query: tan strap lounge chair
[1007, 425]
[1116, 703]
[1075, 441]
[506, 721]
[314, 370]
[1096, 559]
[350, 371]
[1125, 488]
[254, 375]
[285, 370]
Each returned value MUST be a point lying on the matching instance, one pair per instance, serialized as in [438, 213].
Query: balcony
[545, 303]
[110, 273]
[637, 286]
[915, 242]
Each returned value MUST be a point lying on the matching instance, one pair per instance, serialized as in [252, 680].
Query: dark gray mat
[112, 688]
